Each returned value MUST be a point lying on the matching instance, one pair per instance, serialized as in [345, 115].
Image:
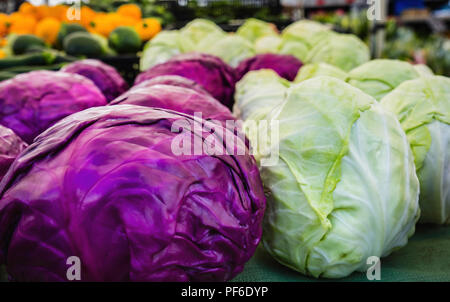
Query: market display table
[425, 258]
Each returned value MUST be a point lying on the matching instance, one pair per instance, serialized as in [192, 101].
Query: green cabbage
[253, 29]
[378, 77]
[344, 187]
[200, 29]
[163, 47]
[257, 93]
[423, 109]
[232, 49]
[320, 69]
[342, 50]
[423, 70]
[268, 44]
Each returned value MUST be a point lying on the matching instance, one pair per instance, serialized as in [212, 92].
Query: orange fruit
[148, 28]
[27, 8]
[21, 23]
[130, 10]
[42, 11]
[87, 15]
[47, 29]
[2, 54]
[4, 24]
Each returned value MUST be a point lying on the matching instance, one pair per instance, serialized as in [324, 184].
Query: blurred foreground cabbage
[106, 186]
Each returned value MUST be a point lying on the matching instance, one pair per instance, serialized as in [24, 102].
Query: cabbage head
[164, 46]
[199, 30]
[309, 71]
[344, 187]
[257, 93]
[105, 185]
[31, 102]
[423, 109]
[213, 74]
[253, 29]
[105, 77]
[299, 44]
[172, 80]
[379, 77]
[232, 49]
[345, 51]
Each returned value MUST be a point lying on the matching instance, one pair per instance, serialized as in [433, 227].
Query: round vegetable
[31, 102]
[423, 109]
[379, 77]
[66, 29]
[309, 71]
[253, 29]
[105, 185]
[176, 98]
[231, 48]
[82, 44]
[124, 39]
[172, 80]
[105, 77]
[211, 72]
[10, 147]
[23, 42]
[285, 65]
[344, 188]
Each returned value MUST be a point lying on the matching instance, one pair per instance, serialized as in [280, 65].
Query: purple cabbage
[214, 75]
[105, 77]
[286, 66]
[176, 98]
[10, 146]
[105, 186]
[172, 80]
[32, 102]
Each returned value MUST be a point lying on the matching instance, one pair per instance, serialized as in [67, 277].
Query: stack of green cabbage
[309, 41]
[344, 187]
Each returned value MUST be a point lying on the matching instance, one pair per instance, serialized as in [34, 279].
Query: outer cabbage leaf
[286, 66]
[267, 44]
[342, 50]
[104, 184]
[258, 93]
[253, 29]
[105, 77]
[32, 102]
[309, 71]
[199, 30]
[172, 80]
[423, 109]
[423, 70]
[232, 49]
[344, 187]
[176, 98]
[10, 147]
[379, 77]
[299, 44]
[305, 29]
[214, 75]
[163, 47]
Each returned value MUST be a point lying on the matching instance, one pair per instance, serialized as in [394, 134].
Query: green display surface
[426, 257]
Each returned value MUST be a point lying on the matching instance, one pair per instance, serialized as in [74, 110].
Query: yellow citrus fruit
[47, 29]
[148, 28]
[130, 10]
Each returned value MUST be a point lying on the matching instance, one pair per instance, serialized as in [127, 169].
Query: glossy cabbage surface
[32, 102]
[105, 186]
[105, 77]
[214, 75]
[176, 98]
[423, 109]
[286, 66]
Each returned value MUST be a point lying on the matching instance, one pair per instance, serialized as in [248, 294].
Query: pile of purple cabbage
[110, 179]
